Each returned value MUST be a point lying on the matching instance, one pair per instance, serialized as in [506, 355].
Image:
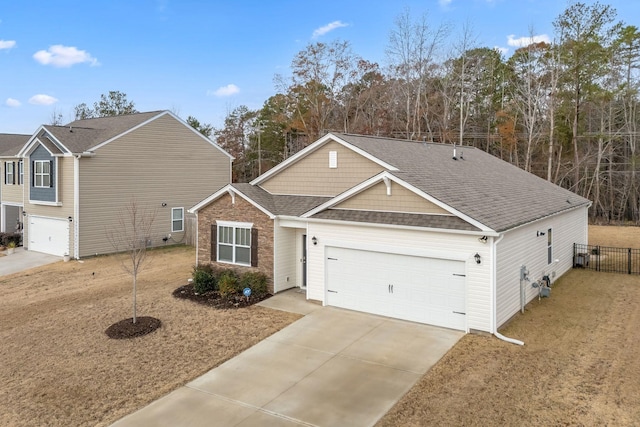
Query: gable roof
[478, 184]
[81, 136]
[269, 203]
[10, 143]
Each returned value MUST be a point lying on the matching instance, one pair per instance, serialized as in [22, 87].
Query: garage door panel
[425, 290]
[49, 235]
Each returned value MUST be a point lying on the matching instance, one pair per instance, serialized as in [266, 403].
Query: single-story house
[425, 232]
[73, 183]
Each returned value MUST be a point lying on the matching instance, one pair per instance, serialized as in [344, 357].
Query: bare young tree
[131, 238]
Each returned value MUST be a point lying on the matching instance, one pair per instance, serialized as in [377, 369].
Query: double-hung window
[41, 173]
[177, 220]
[9, 177]
[234, 243]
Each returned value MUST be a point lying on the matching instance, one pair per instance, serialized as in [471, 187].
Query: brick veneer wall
[242, 211]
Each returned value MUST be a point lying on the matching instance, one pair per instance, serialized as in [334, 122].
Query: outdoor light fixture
[24, 213]
[70, 219]
[164, 205]
[539, 233]
[483, 239]
[477, 257]
[314, 239]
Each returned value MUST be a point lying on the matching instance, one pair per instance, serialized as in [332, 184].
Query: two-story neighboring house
[79, 178]
[12, 184]
[417, 231]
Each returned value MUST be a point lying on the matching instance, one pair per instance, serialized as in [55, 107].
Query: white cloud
[329, 27]
[64, 56]
[527, 40]
[444, 3]
[10, 102]
[41, 99]
[227, 90]
[7, 44]
[501, 50]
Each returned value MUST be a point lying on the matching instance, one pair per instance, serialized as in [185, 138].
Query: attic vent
[333, 159]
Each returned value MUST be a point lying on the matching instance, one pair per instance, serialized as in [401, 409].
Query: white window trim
[234, 225]
[333, 159]
[42, 174]
[9, 177]
[549, 246]
[173, 220]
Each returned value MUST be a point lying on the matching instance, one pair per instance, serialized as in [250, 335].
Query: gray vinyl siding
[47, 194]
[162, 162]
[523, 247]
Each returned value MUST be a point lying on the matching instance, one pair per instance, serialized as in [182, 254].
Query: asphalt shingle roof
[397, 218]
[11, 143]
[280, 204]
[477, 184]
[81, 135]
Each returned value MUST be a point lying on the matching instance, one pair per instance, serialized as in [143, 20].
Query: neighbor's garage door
[426, 290]
[49, 235]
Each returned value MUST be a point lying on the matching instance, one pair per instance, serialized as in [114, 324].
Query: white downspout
[498, 335]
[76, 206]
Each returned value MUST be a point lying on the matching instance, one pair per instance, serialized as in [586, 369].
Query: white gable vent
[333, 159]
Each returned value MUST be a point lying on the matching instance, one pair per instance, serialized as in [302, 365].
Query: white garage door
[49, 235]
[425, 290]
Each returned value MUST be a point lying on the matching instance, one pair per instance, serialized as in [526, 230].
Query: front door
[304, 260]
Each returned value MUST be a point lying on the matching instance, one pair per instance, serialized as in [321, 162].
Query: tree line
[565, 110]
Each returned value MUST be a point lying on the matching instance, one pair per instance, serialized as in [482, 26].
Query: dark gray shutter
[214, 242]
[15, 175]
[5, 172]
[33, 173]
[50, 173]
[254, 247]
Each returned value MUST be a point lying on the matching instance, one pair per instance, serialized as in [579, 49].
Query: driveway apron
[22, 260]
[332, 367]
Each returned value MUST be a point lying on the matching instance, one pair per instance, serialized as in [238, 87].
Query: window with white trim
[9, 176]
[41, 173]
[549, 247]
[177, 220]
[234, 243]
[20, 172]
[333, 159]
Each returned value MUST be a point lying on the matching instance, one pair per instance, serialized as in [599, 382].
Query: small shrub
[6, 238]
[228, 284]
[256, 281]
[204, 279]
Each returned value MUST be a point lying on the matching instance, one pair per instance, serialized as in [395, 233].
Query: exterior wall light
[477, 258]
[314, 239]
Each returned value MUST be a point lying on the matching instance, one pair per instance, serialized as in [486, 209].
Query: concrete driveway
[332, 367]
[22, 259]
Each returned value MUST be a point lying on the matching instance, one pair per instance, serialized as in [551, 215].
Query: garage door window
[234, 243]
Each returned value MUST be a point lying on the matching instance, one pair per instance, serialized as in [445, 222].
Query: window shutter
[15, 175]
[214, 242]
[33, 173]
[5, 172]
[254, 247]
[50, 173]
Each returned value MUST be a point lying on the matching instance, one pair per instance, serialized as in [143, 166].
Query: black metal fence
[607, 259]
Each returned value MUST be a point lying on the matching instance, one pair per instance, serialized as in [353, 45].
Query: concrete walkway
[333, 367]
[22, 259]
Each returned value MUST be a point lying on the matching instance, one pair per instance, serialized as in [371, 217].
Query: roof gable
[11, 143]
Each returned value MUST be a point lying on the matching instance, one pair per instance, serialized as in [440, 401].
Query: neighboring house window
[41, 173]
[9, 176]
[234, 243]
[549, 247]
[20, 172]
[177, 219]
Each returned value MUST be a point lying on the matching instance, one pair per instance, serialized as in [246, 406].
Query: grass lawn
[59, 368]
[579, 364]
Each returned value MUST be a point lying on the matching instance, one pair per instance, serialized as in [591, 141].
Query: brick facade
[242, 211]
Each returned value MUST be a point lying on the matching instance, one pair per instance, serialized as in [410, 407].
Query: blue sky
[204, 58]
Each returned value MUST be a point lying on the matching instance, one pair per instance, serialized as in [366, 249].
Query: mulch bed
[127, 329]
[214, 299]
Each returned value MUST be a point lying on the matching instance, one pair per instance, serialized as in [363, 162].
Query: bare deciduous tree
[131, 239]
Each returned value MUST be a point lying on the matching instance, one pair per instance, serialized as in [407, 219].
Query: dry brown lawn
[579, 365]
[58, 367]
